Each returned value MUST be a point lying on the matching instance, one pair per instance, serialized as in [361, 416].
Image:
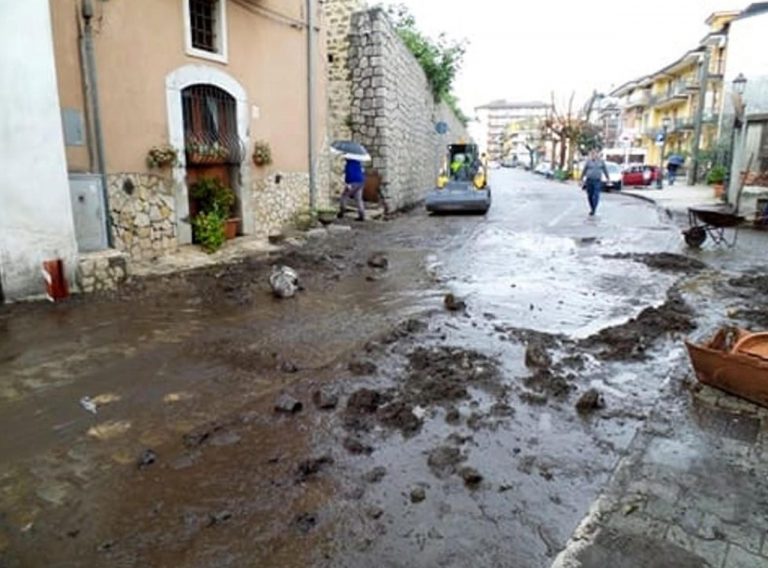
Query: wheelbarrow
[719, 224]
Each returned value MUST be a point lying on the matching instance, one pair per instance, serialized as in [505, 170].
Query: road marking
[560, 217]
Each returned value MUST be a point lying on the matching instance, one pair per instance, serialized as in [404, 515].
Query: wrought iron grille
[202, 23]
[210, 126]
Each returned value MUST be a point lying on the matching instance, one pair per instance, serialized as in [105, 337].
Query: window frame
[221, 55]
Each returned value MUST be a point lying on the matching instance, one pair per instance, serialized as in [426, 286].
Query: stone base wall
[393, 112]
[143, 213]
[338, 17]
[101, 271]
[277, 198]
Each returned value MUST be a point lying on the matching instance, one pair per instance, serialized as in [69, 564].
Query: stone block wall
[338, 17]
[101, 271]
[393, 112]
[277, 198]
[143, 211]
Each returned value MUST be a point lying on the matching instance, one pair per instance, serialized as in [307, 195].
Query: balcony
[638, 99]
[717, 68]
[683, 123]
[676, 93]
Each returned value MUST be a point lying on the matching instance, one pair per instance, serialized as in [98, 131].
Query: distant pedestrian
[354, 180]
[672, 168]
[591, 177]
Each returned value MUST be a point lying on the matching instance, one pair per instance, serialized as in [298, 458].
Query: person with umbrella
[354, 176]
[673, 164]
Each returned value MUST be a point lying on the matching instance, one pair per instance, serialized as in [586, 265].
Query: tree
[571, 131]
[441, 59]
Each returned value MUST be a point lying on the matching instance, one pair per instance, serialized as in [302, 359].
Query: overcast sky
[524, 49]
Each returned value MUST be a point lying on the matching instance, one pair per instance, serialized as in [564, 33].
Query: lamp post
[739, 86]
[664, 127]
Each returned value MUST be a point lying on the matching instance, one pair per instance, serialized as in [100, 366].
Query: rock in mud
[444, 460]
[453, 416]
[305, 522]
[285, 403]
[418, 494]
[664, 261]
[200, 436]
[502, 410]
[590, 401]
[549, 383]
[374, 512]
[365, 401]
[375, 475]
[146, 459]
[362, 368]
[356, 446]
[400, 415]
[378, 260]
[537, 356]
[313, 466]
[534, 398]
[219, 518]
[472, 478]
[288, 367]
[325, 399]
[454, 304]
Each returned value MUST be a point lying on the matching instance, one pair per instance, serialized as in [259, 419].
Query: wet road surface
[190, 367]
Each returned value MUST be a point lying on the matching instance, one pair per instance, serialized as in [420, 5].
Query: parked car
[614, 180]
[640, 175]
[544, 169]
[508, 163]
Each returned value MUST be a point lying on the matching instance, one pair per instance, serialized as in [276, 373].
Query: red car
[640, 175]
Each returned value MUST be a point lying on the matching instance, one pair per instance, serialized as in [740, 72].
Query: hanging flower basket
[262, 154]
[162, 156]
[204, 153]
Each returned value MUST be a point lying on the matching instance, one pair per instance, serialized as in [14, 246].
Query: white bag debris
[284, 281]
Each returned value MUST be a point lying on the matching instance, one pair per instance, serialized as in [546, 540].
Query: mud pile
[664, 261]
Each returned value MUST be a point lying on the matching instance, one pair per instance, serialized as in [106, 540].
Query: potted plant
[326, 215]
[262, 154]
[716, 178]
[162, 156]
[211, 195]
[199, 152]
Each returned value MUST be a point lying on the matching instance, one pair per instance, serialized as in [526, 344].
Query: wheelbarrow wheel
[695, 237]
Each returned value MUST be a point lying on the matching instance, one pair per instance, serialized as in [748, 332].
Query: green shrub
[208, 229]
[562, 175]
[212, 195]
[716, 175]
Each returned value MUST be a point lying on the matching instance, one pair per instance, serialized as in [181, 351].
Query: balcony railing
[638, 99]
[717, 67]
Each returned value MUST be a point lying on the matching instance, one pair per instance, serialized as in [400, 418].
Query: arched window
[210, 126]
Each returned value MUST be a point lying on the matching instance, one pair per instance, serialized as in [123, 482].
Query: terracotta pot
[230, 228]
[371, 187]
[719, 190]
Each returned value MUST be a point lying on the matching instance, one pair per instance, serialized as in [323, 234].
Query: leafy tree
[441, 59]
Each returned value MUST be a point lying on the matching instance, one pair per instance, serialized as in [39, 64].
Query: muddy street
[194, 420]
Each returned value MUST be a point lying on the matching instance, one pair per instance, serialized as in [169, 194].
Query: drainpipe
[699, 117]
[92, 101]
[310, 104]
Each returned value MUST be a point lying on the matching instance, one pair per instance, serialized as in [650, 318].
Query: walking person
[591, 177]
[672, 172]
[354, 180]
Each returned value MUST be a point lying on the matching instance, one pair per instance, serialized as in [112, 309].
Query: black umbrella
[351, 150]
[676, 160]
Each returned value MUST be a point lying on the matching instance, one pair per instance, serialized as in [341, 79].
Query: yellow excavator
[462, 185]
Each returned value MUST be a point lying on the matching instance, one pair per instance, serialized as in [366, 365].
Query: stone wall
[277, 198]
[338, 17]
[393, 112]
[143, 215]
[101, 271]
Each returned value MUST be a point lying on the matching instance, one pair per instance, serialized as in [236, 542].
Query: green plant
[717, 175]
[161, 156]
[208, 229]
[206, 150]
[441, 59]
[562, 175]
[212, 195]
[262, 154]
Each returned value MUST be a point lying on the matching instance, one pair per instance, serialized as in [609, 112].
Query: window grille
[210, 126]
[202, 24]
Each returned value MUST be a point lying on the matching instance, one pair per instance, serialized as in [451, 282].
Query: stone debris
[146, 459]
[537, 356]
[325, 399]
[418, 494]
[375, 475]
[590, 401]
[313, 466]
[287, 404]
[472, 478]
[454, 304]
[378, 260]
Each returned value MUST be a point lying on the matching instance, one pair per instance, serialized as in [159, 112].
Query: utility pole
[704, 87]
[310, 17]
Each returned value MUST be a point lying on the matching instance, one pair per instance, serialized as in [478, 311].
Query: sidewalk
[676, 198]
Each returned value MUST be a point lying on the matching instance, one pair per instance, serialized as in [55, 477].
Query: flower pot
[326, 218]
[230, 228]
[719, 190]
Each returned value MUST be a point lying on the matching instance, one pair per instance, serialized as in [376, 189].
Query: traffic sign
[441, 127]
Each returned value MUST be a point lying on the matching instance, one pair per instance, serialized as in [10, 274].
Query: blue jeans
[594, 186]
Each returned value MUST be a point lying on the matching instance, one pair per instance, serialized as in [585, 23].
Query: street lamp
[739, 84]
[740, 107]
[664, 127]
